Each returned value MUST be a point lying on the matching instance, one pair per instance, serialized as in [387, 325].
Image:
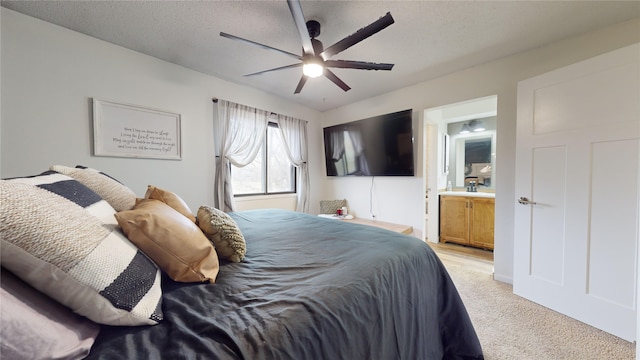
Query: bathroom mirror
[472, 155]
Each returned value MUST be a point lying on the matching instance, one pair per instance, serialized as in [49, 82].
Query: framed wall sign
[123, 130]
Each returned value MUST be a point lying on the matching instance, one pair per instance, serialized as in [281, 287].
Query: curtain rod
[215, 100]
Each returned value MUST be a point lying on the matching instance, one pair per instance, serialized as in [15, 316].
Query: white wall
[0, 96]
[369, 197]
[402, 200]
[50, 74]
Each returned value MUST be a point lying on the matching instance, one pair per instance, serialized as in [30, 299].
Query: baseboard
[503, 278]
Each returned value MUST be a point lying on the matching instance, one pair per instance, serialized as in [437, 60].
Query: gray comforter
[309, 288]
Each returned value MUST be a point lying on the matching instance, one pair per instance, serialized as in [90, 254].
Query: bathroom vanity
[467, 218]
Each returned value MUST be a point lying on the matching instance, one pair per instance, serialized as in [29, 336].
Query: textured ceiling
[428, 39]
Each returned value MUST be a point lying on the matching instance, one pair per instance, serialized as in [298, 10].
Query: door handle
[524, 201]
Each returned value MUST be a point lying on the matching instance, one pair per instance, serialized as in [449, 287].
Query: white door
[431, 174]
[577, 187]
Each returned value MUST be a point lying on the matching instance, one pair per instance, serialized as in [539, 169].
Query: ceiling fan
[315, 60]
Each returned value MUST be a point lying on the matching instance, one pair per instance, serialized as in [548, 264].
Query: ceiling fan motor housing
[314, 28]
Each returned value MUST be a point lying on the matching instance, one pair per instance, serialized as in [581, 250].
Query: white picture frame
[124, 130]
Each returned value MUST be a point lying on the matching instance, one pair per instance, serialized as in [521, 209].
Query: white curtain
[336, 142]
[239, 133]
[356, 139]
[294, 136]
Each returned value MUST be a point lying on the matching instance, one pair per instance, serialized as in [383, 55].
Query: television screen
[377, 146]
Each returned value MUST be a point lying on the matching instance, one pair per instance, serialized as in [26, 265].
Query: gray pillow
[34, 326]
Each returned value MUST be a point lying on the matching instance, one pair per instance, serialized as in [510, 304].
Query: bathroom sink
[467, 193]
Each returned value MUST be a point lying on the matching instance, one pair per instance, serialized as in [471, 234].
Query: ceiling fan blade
[266, 47]
[331, 76]
[274, 69]
[303, 80]
[358, 36]
[301, 25]
[362, 65]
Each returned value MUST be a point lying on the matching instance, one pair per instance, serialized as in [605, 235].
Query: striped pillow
[119, 196]
[63, 239]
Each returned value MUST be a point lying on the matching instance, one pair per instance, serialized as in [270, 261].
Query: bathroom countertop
[466, 193]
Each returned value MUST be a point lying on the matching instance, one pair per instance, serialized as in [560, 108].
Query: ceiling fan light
[312, 70]
[465, 129]
[479, 127]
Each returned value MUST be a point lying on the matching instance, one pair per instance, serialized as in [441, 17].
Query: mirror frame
[460, 155]
[445, 159]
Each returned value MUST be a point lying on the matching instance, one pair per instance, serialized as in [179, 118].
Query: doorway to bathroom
[460, 151]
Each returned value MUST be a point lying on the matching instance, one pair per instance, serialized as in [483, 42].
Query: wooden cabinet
[467, 220]
[454, 219]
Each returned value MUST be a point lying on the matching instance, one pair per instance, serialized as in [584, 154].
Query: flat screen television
[377, 146]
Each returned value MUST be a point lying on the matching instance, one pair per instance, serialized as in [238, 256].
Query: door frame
[435, 122]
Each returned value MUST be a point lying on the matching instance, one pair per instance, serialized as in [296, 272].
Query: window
[270, 173]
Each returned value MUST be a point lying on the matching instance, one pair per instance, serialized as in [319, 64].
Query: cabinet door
[482, 222]
[454, 219]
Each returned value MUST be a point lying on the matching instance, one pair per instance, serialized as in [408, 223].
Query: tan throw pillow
[331, 206]
[223, 233]
[176, 244]
[170, 199]
[119, 196]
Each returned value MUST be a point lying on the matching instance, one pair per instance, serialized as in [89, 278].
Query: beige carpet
[510, 327]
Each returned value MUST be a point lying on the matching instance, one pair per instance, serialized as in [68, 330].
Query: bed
[308, 288]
